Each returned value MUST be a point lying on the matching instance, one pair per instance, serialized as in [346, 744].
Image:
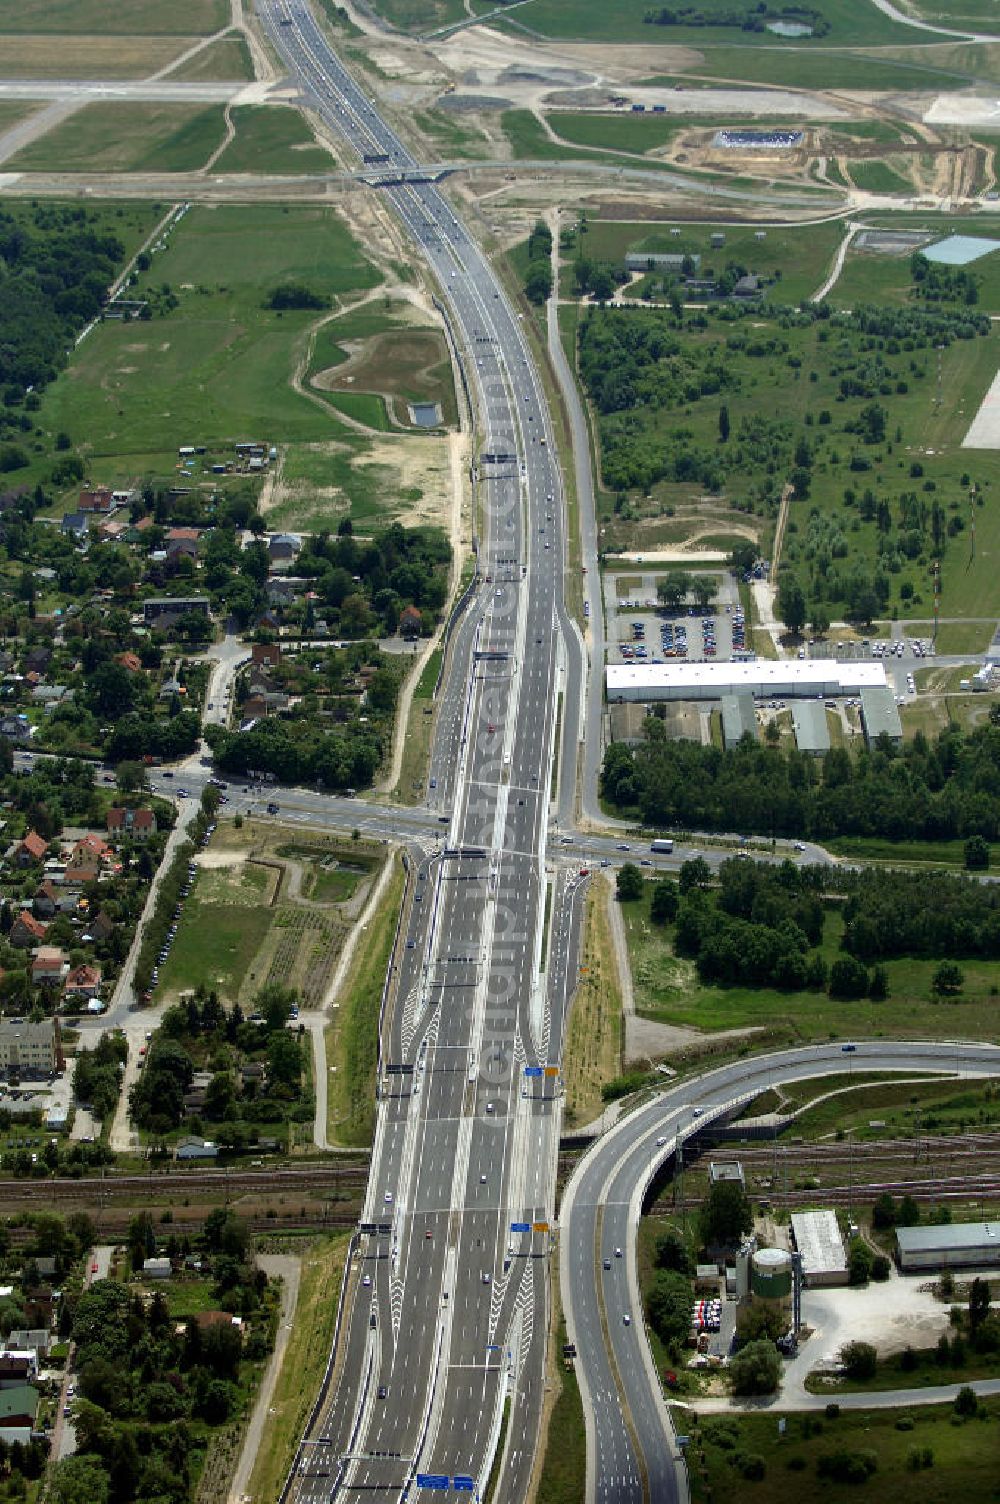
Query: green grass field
[420, 15]
[125, 17]
[878, 177]
[802, 255]
[870, 278]
[13, 111]
[398, 363]
[963, 1456]
[852, 22]
[125, 137]
[273, 139]
[635, 133]
[451, 135]
[924, 67]
[667, 989]
[218, 366]
[226, 58]
[214, 945]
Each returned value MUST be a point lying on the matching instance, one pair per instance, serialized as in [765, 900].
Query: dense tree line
[936, 283]
[755, 18]
[757, 930]
[55, 270]
[931, 790]
[538, 272]
[921, 914]
[364, 583]
[97, 1074]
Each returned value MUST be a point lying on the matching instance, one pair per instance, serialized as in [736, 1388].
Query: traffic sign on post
[432, 1480]
[552, 1070]
[463, 1484]
[532, 1070]
[520, 1227]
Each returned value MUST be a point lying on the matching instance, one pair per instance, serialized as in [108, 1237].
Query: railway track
[348, 1179]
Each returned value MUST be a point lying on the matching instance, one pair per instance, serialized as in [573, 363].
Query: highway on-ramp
[631, 1448]
[446, 1309]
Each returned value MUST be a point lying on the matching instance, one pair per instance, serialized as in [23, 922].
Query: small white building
[818, 1240]
[157, 1268]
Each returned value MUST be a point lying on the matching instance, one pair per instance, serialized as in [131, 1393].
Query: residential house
[266, 654]
[139, 824]
[32, 849]
[283, 549]
[158, 607]
[98, 503]
[36, 1339]
[49, 966]
[285, 590]
[410, 622]
[131, 661]
[194, 1097]
[18, 1368]
[49, 694]
[113, 530]
[169, 688]
[83, 982]
[16, 728]
[26, 931]
[75, 525]
[18, 1408]
[195, 1148]
[157, 1268]
[88, 856]
[37, 660]
[30, 1048]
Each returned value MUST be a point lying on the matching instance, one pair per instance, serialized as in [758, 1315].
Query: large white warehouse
[765, 678]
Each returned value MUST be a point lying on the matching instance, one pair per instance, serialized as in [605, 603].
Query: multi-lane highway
[447, 1306]
[631, 1449]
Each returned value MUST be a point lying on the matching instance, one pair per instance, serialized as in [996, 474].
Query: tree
[672, 588]
[755, 1369]
[908, 1214]
[883, 1212]
[859, 1263]
[723, 424]
[948, 979]
[672, 1253]
[669, 1306]
[878, 984]
[629, 884]
[848, 978]
[979, 1303]
[663, 907]
[860, 1360]
[131, 777]
[694, 873]
[791, 604]
[977, 854]
[80, 1480]
[703, 590]
[760, 1322]
[966, 1402]
[725, 1213]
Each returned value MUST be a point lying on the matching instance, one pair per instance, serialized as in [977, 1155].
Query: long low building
[764, 678]
[967, 1244]
[817, 1238]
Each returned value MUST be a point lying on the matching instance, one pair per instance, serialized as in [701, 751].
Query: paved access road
[447, 1306]
[600, 1216]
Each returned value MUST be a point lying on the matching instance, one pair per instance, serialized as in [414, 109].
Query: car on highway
[607, 1263]
[627, 1320]
[388, 1198]
[382, 1391]
[367, 1281]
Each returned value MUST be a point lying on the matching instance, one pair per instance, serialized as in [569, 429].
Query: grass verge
[594, 1042]
[564, 1469]
[352, 1039]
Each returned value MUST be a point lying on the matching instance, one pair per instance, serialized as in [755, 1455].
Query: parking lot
[641, 630]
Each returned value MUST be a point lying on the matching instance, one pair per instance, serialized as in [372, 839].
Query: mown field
[927, 66]
[99, 56]
[667, 989]
[125, 17]
[881, 278]
[226, 58]
[273, 138]
[126, 137]
[218, 365]
[398, 363]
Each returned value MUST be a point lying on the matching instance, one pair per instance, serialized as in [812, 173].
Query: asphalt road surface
[630, 1440]
[448, 1303]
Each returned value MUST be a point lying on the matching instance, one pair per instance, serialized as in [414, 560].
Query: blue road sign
[463, 1484]
[520, 1227]
[492, 1347]
[432, 1480]
[532, 1070]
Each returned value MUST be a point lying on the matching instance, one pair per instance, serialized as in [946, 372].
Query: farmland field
[125, 17]
[126, 137]
[273, 138]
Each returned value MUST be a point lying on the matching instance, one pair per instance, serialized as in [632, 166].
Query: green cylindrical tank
[771, 1274]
